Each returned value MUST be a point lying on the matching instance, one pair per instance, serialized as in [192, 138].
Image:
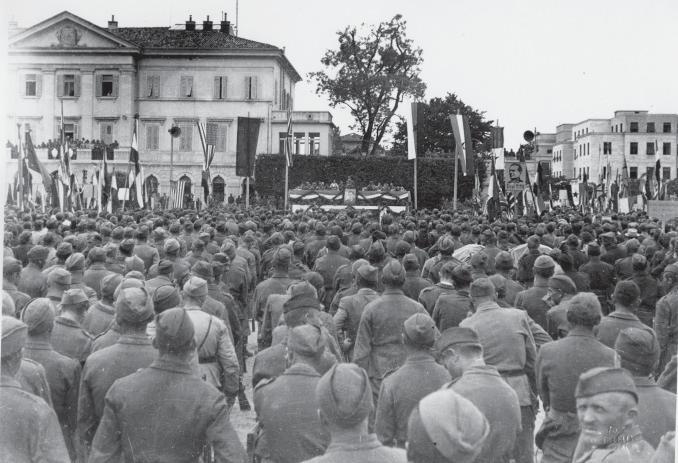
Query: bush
[435, 175]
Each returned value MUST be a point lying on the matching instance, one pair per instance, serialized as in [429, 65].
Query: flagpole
[247, 180]
[415, 183]
[287, 180]
[20, 196]
[456, 166]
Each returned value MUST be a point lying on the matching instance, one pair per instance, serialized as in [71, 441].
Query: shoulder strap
[206, 334]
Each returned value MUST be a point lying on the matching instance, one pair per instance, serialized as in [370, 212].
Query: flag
[463, 143]
[177, 194]
[494, 195]
[289, 139]
[246, 145]
[497, 134]
[134, 167]
[415, 120]
[208, 155]
[34, 163]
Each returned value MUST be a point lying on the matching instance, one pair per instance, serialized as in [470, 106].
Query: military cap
[632, 233]
[344, 394]
[333, 242]
[402, 248]
[410, 236]
[109, 283]
[638, 349]
[626, 291]
[368, 273]
[180, 271]
[282, 256]
[159, 234]
[503, 261]
[14, 334]
[608, 236]
[544, 261]
[128, 283]
[64, 249]
[562, 283]
[376, 250]
[165, 267]
[420, 329]
[306, 340]
[39, 316]
[410, 262]
[10, 266]
[357, 227]
[38, 253]
[195, 287]
[136, 275]
[357, 264]
[134, 263]
[73, 297]
[134, 305]
[97, 254]
[482, 287]
[605, 379]
[457, 335]
[75, 262]
[127, 246]
[593, 249]
[432, 434]
[298, 246]
[174, 330]
[393, 270]
[165, 297]
[303, 295]
[462, 274]
[479, 259]
[203, 270]
[446, 245]
[171, 246]
[671, 268]
[8, 307]
[60, 277]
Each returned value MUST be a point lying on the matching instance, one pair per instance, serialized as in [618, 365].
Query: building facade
[599, 147]
[107, 80]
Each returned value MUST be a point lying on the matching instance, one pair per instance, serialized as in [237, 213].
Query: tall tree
[434, 135]
[370, 74]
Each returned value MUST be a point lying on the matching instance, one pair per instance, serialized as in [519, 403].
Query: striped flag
[177, 194]
[463, 143]
[289, 139]
[134, 176]
[34, 163]
[208, 136]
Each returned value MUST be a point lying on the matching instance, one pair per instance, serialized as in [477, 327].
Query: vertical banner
[498, 156]
[415, 119]
[463, 143]
[246, 146]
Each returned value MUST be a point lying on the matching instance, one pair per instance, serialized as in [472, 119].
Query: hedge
[435, 175]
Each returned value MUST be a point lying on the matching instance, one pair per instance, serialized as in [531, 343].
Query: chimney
[207, 24]
[225, 26]
[190, 24]
[112, 24]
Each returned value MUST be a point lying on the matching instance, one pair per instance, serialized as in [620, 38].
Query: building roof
[164, 37]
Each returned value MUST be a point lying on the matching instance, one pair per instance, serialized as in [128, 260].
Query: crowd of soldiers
[429, 336]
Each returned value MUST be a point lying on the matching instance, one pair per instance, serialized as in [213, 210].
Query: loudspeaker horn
[528, 136]
[175, 131]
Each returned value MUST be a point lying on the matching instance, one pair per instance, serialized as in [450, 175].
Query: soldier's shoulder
[264, 382]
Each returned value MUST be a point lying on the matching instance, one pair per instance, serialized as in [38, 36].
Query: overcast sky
[526, 63]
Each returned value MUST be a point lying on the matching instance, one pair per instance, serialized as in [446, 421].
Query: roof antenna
[236, 18]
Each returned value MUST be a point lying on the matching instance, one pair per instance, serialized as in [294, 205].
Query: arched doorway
[187, 201]
[151, 185]
[218, 186]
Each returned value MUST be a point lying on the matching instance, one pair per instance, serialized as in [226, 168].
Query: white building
[103, 77]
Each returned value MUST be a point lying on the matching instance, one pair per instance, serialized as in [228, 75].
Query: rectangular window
[314, 143]
[667, 127]
[634, 127]
[282, 138]
[650, 127]
[633, 148]
[69, 85]
[186, 137]
[186, 87]
[106, 132]
[31, 85]
[607, 147]
[107, 85]
[220, 87]
[588, 149]
[152, 137]
[649, 148]
[621, 127]
[633, 172]
[70, 130]
[666, 173]
[152, 86]
[299, 143]
[666, 148]
[251, 87]
[215, 132]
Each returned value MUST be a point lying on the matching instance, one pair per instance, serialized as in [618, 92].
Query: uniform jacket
[512, 289]
[29, 429]
[610, 326]
[70, 339]
[33, 282]
[508, 345]
[276, 284]
[531, 300]
[93, 276]
[63, 376]
[429, 295]
[414, 284]
[367, 450]
[107, 338]
[487, 390]
[378, 347]
[98, 318]
[580, 280]
[656, 410]
[629, 447]
[649, 290]
[147, 253]
[450, 309]
[156, 282]
[327, 266]
[624, 268]
[613, 253]
[101, 370]
[666, 326]
[20, 299]
[165, 413]
[33, 378]
[434, 273]
[287, 409]
[601, 276]
[401, 391]
[273, 313]
[350, 311]
[525, 273]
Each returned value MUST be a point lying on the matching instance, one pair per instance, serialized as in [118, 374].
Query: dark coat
[429, 295]
[69, 339]
[33, 282]
[367, 450]
[93, 276]
[451, 309]
[656, 410]
[270, 363]
[98, 318]
[414, 284]
[531, 300]
[610, 325]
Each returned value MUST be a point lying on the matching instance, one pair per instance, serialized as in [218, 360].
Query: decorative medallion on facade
[68, 36]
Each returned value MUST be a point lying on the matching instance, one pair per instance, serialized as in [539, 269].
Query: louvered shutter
[217, 88]
[182, 87]
[156, 86]
[149, 86]
[77, 85]
[116, 83]
[254, 87]
[60, 85]
[189, 86]
[224, 87]
[99, 86]
[102, 131]
[156, 137]
[38, 85]
[248, 81]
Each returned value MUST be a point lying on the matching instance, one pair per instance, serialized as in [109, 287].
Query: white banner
[498, 154]
[411, 145]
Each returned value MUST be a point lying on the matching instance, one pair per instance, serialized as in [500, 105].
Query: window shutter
[182, 87]
[116, 83]
[76, 136]
[38, 85]
[102, 131]
[248, 81]
[189, 137]
[254, 87]
[275, 93]
[77, 85]
[221, 138]
[156, 86]
[217, 88]
[60, 86]
[156, 137]
[189, 86]
[224, 87]
[99, 85]
[149, 137]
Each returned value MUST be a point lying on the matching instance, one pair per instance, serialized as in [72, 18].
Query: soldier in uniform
[559, 365]
[402, 390]
[626, 299]
[509, 346]
[100, 315]
[287, 407]
[327, 266]
[68, 336]
[607, 409]
[601, 276]
[132, 351]
[58, 282]
[532, 300]
[165, 268]
[166, 412]
[11, 275]
[147, 253]
[503, 265]
[97, 270]
[446, 250]
[64, 250]
[638, 352]
[75, 264]
[460, 351]
[278, 282]
[612, 252]
[345, 401]
[33, 282]
[414, 283]
[451, 308]
[29, 429]
[63, 373]
[666, 317]
[429, 295]
[560, 289]
[525, 273]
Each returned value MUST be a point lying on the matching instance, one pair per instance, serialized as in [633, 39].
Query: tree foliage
[434, 134]
[370, 74]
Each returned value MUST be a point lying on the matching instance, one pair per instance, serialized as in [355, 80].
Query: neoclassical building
[103, 76]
